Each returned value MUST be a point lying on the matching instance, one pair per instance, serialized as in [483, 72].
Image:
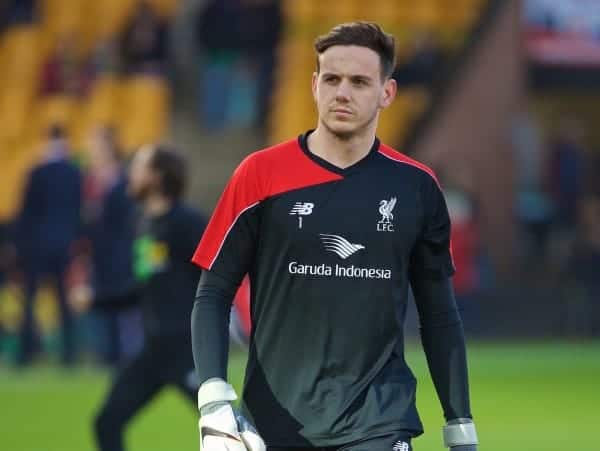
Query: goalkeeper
[332, 228]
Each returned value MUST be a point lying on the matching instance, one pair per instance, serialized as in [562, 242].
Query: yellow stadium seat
[20, 56]
[102, 106]
[144, 111]
[165, 8]
[14, 173]
[15, 106]
[114, 14]
[293, 110]
[462, 14]
[426, 14]
[391, 122]
[335, 12]
[301, 11]
[396, 120]
[386, 13]
[76, 19]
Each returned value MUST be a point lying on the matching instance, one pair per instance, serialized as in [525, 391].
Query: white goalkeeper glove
[221, 429]
[460, 435]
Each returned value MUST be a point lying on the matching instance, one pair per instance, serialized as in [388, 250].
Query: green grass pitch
[525, 397]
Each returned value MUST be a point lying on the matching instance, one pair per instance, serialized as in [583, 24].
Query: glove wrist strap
[461, 432]
[215, 391]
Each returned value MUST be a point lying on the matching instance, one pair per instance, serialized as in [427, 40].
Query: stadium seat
[165, 8]
[101, 107]
[385, 12]
[144, 111]
[14, 172]
[396, 120]
[19, 56]
[15, 107]
[334, 12]
[20, 62]
[64, 16]
[305, 11]
[461, 16]
[114, 15]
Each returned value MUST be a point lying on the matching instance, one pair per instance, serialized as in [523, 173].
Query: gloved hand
[220, 428]
[460, 435]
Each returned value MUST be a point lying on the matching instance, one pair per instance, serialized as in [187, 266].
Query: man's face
[349, 91]
[142, 179]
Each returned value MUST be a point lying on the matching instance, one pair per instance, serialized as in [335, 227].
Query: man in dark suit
[46, 228]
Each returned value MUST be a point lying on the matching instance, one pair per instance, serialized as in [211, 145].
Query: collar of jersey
[303, 143]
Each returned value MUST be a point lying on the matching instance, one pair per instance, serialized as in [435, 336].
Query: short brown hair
[363, 34]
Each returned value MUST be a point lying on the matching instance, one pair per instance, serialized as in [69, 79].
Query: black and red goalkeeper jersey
[329, 252]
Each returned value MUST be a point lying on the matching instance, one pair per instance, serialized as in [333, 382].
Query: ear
[390, 88]
[314, 81]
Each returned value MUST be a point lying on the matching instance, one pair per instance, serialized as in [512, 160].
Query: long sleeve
[444, 344]
[210, 326]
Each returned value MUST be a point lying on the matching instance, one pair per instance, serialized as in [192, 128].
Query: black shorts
[389, 442]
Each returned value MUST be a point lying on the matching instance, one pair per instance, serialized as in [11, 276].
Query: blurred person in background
[15, 12]
[568, 163]
[465, 237]
[109, 217]
[143, 42]
[6, 259]
[237, 41]
[46, 229]
[6, 252]
[583, 294]
[260, 31]
[534, 204]
[65, 71]
[166, 235]
[424, 62]
[220, 46]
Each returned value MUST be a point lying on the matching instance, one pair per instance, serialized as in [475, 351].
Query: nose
[342, 94]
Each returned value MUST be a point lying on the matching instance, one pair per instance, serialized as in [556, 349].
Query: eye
[330, 79]
[360, 82]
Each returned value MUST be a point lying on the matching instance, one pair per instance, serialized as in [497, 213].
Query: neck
[337, 151]
[157, 205]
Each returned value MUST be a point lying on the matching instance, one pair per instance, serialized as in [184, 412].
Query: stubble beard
[347, 135]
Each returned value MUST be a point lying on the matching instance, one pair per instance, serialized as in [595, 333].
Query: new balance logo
[302, 209]
[340, 245]
[401, 446]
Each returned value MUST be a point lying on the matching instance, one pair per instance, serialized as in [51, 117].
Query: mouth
[342, 111]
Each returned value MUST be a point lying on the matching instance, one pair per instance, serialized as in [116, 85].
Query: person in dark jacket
[46, 229]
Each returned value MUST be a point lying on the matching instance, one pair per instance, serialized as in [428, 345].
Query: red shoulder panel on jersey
[392, 154]
[261, 175]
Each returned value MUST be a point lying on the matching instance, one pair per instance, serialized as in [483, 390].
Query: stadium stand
[25, 114]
